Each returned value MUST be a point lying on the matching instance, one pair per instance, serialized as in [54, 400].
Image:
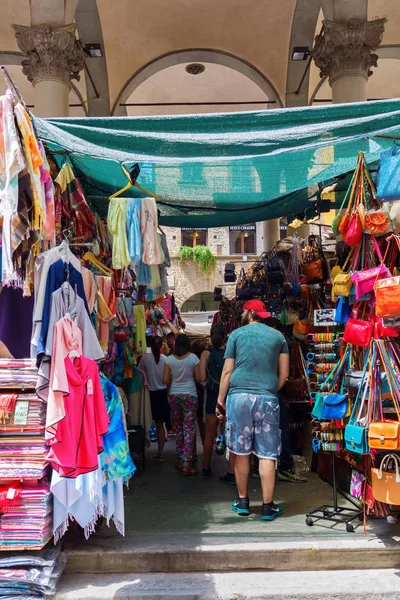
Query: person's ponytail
[156, 345]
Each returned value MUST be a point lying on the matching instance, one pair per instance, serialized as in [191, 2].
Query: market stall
[83, 254]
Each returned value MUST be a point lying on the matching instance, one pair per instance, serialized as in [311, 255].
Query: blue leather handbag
[335, 406]
[388, 178]
[356, 438]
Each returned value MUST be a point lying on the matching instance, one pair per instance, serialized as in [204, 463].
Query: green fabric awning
[223, 169]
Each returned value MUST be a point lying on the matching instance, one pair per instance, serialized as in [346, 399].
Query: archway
[218, 57]
[200, 302]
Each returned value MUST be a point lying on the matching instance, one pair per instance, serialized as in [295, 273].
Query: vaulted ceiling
[245, 46]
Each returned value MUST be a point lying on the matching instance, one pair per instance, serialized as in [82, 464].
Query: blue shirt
[256, 349]
[58, 273]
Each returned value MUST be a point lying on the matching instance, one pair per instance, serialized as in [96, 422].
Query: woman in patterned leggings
[182, 371]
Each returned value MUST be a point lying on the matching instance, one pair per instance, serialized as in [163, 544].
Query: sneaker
[255, 475]
[271, 511]
[159, 456]
[241, 506]
[291, 475]
[206, 473]
[171, 433]
[229, 478]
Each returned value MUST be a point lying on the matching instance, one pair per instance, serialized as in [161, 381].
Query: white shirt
[182, 370]
[154, 372]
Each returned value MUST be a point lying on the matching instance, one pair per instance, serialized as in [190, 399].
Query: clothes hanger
[90, 257]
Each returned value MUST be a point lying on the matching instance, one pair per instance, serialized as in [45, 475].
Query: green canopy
[223, 169]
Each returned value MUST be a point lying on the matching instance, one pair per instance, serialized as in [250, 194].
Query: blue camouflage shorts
[252, 425]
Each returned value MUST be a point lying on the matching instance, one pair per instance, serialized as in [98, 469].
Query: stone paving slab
[312, 585]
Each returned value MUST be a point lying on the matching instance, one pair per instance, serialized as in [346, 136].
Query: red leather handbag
[354, 230]
[358, 332]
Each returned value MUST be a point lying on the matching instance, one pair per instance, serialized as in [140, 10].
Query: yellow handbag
[386, 484]
[342, 284]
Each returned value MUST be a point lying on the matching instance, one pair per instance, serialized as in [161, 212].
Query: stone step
[134, 555]
[311, 585]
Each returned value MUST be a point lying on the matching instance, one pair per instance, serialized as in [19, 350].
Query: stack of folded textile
[30, 415]
[22, 457]
[18, 373]
[27, 518]
[26, 504]
[26, 577]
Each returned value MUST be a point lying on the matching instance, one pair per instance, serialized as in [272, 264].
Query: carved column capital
[346, 48]
[51, 52]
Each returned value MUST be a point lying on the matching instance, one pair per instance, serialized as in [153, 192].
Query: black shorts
[159, 405]
[212, 396]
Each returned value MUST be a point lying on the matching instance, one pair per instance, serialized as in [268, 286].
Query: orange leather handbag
[385, 483]
[387, 292]
[384, 435]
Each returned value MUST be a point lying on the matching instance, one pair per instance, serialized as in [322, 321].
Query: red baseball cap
[258, 307]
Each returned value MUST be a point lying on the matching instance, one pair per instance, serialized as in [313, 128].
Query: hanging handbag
[342, 284]
[343, 310]
[384, 435]
[377, 222]
[388, 177]
[365, 280]
[316, 412]
[358, 332]
[354, 230]
[381, 330]
[335, 406]
[313, 271]
[387, 292]
[356, 430]
[353, 379]
[393, 209]
[385, 483]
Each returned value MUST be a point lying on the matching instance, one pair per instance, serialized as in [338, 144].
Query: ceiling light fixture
[300, 53]
[93, 50]
[195, 69]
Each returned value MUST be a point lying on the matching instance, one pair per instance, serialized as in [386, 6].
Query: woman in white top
[182, 371]
[153, 365]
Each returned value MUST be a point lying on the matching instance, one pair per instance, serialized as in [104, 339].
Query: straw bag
[386, 484]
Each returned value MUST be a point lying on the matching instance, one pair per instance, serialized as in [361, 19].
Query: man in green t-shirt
[256, 367]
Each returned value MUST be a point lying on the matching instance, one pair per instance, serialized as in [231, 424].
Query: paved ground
[310, 585]
[164, 503]
[177, 524]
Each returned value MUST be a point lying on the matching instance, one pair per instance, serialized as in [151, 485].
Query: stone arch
[304, 23]
[190, 280]
[219, 57]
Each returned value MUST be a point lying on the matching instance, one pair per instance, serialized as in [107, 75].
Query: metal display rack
[335, 514]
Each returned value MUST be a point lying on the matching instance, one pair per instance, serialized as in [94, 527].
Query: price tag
[89, 387]
[21, 412]
[11, 494]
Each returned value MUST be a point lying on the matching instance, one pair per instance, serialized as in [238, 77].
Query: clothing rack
[335, 514]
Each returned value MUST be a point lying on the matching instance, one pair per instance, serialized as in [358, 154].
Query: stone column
[344, 52]
[271, 233]
[54, 57]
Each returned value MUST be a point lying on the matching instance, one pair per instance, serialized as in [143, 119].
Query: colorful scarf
[75, 207]
[115, 459]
